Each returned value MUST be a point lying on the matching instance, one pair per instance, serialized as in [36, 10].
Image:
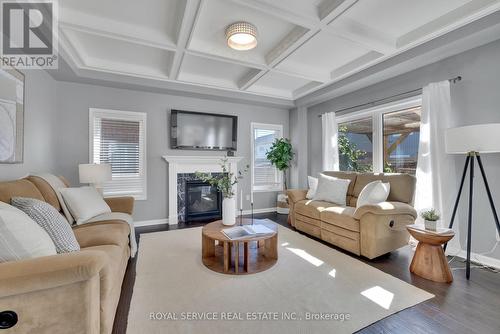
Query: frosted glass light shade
[482, 138]
[241, 36]
[94, 173]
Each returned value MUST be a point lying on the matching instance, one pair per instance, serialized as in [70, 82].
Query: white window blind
[118, 139]
[265, 177]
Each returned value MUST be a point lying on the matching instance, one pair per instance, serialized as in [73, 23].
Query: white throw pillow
[373, 193]
[332, 189]
[84, 203]
[20, 237]
[313, 186]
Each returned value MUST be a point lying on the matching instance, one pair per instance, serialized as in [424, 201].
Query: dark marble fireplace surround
[182, 179]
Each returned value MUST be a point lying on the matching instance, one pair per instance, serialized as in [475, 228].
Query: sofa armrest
[295, 195]
[121, 204]
[386, 208]
[25, 276]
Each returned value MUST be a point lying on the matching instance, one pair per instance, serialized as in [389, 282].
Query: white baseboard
[249, 212]
[152, 222]
[166, 221]
[482, 259]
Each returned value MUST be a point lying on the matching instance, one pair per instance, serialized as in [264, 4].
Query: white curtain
[436, 176]
[330, 141]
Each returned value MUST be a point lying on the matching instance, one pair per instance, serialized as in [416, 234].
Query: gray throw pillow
[51, 221]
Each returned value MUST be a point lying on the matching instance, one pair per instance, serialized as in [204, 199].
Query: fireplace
[202, 201]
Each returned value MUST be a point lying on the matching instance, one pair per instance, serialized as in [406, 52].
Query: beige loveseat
[77, 292]
[371, 230]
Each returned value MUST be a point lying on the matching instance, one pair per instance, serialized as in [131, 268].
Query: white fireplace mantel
[178, 164]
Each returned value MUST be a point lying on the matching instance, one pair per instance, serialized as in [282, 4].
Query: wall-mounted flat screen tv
[202, 131]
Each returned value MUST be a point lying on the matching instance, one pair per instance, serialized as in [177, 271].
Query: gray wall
[40, 127]
[475, 100]
[74, 100]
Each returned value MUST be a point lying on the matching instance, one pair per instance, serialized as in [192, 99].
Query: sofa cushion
[402, 186]
[46, 190]
[51, 221]
[84, 203]
[331, 189]
[352, 176]
[20, 237]
[111, 277]
[18, 188]
[106, 233]
[311, 208]
[340, 216]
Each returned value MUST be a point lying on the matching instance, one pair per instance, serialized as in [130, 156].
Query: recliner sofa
[75, 292]
[370, 230]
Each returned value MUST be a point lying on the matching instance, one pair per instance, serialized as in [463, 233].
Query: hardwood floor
[461, 307]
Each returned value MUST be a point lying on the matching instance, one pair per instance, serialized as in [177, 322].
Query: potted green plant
[224, 182]
[281, 154]
[430, 219]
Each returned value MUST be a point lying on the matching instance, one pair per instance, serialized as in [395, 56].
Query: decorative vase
[430, 225]
[282, 206]
[229, 211]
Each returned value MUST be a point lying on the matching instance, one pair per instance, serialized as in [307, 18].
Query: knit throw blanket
[56, 184]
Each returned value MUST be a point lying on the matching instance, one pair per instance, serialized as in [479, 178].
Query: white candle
[251, 197]
[241, 200]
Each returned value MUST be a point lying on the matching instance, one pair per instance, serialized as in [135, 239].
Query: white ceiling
[303, 45]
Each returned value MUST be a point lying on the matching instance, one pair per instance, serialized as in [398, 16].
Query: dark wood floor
[461, 307]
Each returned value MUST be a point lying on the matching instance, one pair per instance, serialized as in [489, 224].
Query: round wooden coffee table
[429, 260]
[239, 257]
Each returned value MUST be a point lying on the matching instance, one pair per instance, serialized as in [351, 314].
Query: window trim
[264, 188]
[122, 115]
[376, 113]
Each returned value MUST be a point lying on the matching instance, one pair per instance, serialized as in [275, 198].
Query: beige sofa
[371, 230]
[76, 292]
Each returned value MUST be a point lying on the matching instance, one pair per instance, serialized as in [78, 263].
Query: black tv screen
[202, 131]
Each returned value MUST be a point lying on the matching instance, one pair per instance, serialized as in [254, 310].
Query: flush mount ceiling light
[241, 36]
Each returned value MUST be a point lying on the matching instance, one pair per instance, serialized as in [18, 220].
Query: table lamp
[472, 141]
[95, 174]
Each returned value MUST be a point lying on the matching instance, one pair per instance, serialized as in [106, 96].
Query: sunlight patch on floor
[379, 296]
[306, 256]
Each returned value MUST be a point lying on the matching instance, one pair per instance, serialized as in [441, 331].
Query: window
[356, 145]
[381, 139]
[265, 177]
[118, 138]
[401, 138]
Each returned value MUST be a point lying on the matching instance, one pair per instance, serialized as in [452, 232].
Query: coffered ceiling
[303, 45]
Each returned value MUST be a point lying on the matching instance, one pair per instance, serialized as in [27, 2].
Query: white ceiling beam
[281, 13]
[362, 35]
[187, 25]
[225, 59]
[328, 10]
[250, 78]
[450, 21]
[121, 37]
[306, 88]
[355, 64]
[287, 45]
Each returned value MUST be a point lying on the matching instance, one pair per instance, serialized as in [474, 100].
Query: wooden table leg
[271, 247]
[236, 256]
[245, 255]
[227, 259]
[207, 247]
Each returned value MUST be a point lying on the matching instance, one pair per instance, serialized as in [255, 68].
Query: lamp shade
[94, 173]
[482, 138]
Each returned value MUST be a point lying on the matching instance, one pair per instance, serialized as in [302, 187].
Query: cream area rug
[311, 289]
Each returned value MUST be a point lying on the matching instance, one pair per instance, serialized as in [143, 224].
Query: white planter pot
[282, 205]
[430, 225]
[229, 211]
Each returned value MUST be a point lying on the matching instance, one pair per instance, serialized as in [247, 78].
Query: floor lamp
[473, 141]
